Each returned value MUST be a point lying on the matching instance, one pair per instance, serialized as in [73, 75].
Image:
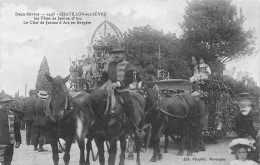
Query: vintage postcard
[182, 78]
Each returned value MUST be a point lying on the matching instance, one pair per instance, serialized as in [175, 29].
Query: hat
[6, 100]
[245, 95]
[240, 141]
[117, 48]
[43, 94]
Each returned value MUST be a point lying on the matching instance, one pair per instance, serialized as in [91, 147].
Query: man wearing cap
[244, 120]
[120, 73]
[29, 116]
[9, 133]
[40, 121]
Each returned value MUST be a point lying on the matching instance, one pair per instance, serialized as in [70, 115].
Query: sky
[23, 46]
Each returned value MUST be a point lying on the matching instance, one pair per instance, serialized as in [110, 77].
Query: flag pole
[158, 72]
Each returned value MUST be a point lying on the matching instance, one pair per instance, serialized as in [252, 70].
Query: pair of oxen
[84, 115]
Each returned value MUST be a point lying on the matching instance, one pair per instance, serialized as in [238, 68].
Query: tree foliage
[42, 83]
[142, 46]
[213, 29]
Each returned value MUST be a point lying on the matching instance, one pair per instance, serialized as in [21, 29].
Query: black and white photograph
[129, 82]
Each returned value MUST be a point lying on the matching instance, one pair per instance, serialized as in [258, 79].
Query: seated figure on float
[201, 70]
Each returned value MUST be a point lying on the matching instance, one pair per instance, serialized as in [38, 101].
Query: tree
[142, 46]
[212, 29]
[42, 83]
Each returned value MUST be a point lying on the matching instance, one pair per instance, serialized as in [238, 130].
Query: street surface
[215, 154]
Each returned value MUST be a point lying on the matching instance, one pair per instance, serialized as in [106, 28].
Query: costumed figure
[74, 74]
[80, 73]
[40, 121]
[29, 117]
[244, 121]
[201, 70]
[9, 133]
[94, 72]
[242, 148]
[86, 68]
[118, 74]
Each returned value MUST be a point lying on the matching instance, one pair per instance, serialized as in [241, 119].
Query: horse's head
[152, 95]
[59, 96]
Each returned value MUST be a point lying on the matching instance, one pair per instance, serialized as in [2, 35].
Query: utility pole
[159, 56]
[25, 90]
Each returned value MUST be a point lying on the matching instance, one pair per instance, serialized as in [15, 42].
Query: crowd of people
[86, 71]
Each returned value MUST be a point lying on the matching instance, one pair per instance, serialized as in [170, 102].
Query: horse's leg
[160, 133]
[138, 149]
[100, 145]
[54, 146]
[190, 141]
[166, 141]
[196, 139]
[66, 156]
[112, 152]
[182, 142]
[131, 148]
[156, 134]
[123, 148]
[155, 141]
[81, 145]
[201, 144]
[89, 148]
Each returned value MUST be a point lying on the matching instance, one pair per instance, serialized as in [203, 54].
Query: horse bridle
[156, 103]
[49, 112]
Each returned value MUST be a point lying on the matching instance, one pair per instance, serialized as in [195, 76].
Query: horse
[187, 115]
[67, 116]
[110, 126]
[178, 133]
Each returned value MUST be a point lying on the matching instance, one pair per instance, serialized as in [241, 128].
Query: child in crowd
[242, 149]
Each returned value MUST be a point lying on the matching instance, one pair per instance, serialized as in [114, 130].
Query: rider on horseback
[120, 73]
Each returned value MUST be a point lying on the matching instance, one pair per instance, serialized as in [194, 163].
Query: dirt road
[215, 154]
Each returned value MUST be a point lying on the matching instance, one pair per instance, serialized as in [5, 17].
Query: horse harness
[157, 103]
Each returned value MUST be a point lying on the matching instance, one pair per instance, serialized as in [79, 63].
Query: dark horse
[111, 127]
[181, 111]
[187, 115]
[68, 117]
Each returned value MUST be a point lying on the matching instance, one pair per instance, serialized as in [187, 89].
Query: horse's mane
[152, 95]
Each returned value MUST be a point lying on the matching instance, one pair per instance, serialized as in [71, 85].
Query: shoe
[35, 149]
[42, 150]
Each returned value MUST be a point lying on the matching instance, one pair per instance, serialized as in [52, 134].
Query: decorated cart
[104, 37]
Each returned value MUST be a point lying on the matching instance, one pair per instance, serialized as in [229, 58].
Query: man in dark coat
[9, 133]
[40, 121]
[29, 116]
[244, 122]
[119, 73]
